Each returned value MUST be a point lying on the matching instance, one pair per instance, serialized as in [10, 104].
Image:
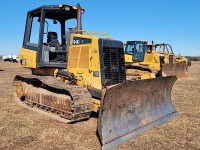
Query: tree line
[195, 58]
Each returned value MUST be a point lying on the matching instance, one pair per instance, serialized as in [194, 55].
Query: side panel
[83, 61]
[76, 65]
[153, 60]
[169, 58]
[27, 58]
[95, 65]
[128, 58]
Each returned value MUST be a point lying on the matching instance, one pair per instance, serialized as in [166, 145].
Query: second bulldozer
[144, 62]
[75, 73]
[171, 65]
[138, 62]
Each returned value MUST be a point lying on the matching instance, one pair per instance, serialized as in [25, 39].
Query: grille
[113, 62]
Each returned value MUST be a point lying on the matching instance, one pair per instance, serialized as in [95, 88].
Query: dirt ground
[21, 128]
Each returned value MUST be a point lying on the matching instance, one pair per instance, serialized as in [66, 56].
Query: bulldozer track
[135, 72]
[47, 93]
[39, 111]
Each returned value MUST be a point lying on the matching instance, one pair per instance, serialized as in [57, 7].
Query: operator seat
[52, 41]
[55, 52]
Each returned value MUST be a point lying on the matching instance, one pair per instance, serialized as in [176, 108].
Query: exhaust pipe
[153, 48]
[79, 17]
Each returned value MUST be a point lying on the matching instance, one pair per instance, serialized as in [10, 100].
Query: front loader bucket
[178, 69]
[132, 108]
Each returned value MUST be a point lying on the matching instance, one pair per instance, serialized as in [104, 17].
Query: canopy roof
[56, 12]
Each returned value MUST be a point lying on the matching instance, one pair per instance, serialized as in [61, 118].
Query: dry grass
[21, 128]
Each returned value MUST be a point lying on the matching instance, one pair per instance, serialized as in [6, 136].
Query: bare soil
[22, 128]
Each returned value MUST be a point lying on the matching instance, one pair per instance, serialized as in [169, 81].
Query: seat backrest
[51, 36]
[52, 41]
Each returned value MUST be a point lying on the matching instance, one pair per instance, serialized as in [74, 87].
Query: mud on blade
[132, 108]
[178, 69]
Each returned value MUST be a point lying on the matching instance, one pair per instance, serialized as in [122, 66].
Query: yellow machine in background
[180, 58]
[171, 65]
[140, 63]
[143, 61]
[75, 73]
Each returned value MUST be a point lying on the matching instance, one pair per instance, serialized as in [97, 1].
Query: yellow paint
[166, 56]
[91, 34]
[148, 76]
[57, 102]
[43, 72]
[96, 105]
[29, 56]
[180, 59]
[151, 60]
[83, 60]
[128, 58]
[74, 53]
[84, 57]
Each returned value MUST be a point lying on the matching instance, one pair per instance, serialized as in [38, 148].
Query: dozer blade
[178, 69]
[132, 108]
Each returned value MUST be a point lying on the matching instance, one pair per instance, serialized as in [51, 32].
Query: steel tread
[80, 95]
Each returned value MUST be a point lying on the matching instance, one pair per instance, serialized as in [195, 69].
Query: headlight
[23, 62]
[96, 74]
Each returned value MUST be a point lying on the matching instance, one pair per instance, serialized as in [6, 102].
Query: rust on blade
[178, 69]
[132, 108]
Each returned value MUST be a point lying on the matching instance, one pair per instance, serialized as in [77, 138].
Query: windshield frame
[133, 52]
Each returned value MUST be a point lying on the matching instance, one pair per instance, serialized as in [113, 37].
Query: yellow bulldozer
[144, 61]
[139, 63]
[77, 72]
[186, 59]
[172, 65]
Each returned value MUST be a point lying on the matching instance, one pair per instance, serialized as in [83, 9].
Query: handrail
[90, 33]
